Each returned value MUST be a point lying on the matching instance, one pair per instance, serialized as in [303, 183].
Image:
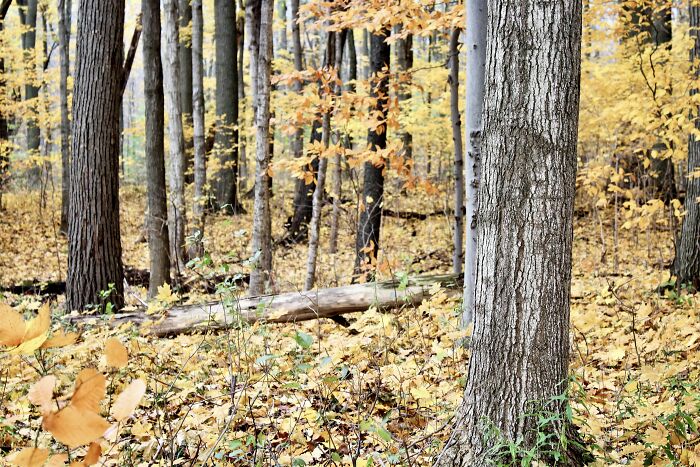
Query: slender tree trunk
[404, 62]
[226, 106]
[28, 14]
[64, 25]
[260, 62]
[200, 167]
[241, 138]
[520, 344]
[157, 219]
[176, 207]
[282, 15]
[458, 233]
[186, 93]
[475, 44]
[4, 130]
[367, 244]
[686, 266]
[94, 240]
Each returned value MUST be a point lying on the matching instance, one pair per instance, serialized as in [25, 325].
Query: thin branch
[131, 53]
[4, 6]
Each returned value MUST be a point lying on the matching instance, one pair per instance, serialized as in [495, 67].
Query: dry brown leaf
[89, 390]
[57, 460]
[30, 457]
[11, 326]
[38, 325]
[116, 354]
[93, 454]
[60, 339]
[41, 393]
[128, 400]
[74, 427]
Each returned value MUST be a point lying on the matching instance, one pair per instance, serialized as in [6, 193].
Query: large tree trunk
[177, 215]
[261, 60]
[458, 233]
[475, 44]
[185, 58]
[520, 342]
[4, 130]
[367, 244]
[64, 25]
[28, 13]
[157, 217]
[94, 240]
[290, 307]
[686, 266]
[200, 161]
[225, 144]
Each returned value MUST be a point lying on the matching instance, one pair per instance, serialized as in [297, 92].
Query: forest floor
[315, 393]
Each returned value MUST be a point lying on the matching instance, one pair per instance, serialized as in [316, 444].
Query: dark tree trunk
[94, 240]
[453, 79]
[157, 218]
[404, 63]
[367, 244]
[4, 130]
[686, 266]
[28, 13]
[185, 58]
[64, 24]
[520, 343]
[225, 143]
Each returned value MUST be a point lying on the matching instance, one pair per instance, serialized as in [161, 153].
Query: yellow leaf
[89, 390]
[57, 460]
[116, 354]
[39, 325]
[41, 393]
[74, 427]
[11, 326]
[30, 346]
[30, 457]
[128, 400]
[60, 339]
[93, 454]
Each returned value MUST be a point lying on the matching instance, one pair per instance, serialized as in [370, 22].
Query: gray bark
[260, 34]
[94, 240]
[28, 14]
[686, 266]
[404, 63]
[185, 58]
[458, 233]
[157, 217]
[64, 26]
[475, 45]
[200, 167]
[177, 214]
[520, 342]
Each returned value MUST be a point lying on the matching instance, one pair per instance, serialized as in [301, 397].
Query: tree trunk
[200, 161]
[157, 218]
[686, 266]
[186, 88]
[64, 25]
[94, 240]
[404, 62]
[241, 140]
[475, 44]
[28, 13]
[260, 62]
[367, 244]
[282, 15]
[290, 307]
[4, 130]
[225, 143]
[177, 215]
[520, 343]
[458, 233]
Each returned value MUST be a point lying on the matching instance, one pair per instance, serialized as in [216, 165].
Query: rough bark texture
[4, 130]
[687, 263]
[225, 143]
[367, 243]
[94, 240]
[458, 232]
[475, 45]
[64, 25]
[260, 62]
[404, 63]
[289, 307]
[171, 65]
[28, 13]
[520, 343]
[157, 216]
[185, 56]
[200, 161]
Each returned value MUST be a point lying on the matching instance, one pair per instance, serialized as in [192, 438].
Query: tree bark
[185, 57]
[64, 26]
[260, 63]
[475, 44]
[404, 63]
[289, 307]
[94, 240]
[4, 130]
[453, 79]
[177, 214]
[367, 244]
[686, 266]
[28, 14]
[520, 343]
[200, 161]
[225, 143]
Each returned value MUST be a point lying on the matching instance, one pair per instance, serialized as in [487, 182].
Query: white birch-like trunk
[176, 136]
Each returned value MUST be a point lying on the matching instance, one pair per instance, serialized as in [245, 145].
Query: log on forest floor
[288, 307]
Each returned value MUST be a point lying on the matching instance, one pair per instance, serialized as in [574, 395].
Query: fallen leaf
[115, 353]
[74, 427]
[89, 390]
[30, 457]
[41, 393]
[128, 400]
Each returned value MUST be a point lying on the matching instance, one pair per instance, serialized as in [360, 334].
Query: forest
[350, 232]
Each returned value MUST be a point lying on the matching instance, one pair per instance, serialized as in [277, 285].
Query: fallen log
[286, 307]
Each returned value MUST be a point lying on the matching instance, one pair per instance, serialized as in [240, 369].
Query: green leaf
[304, 340]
